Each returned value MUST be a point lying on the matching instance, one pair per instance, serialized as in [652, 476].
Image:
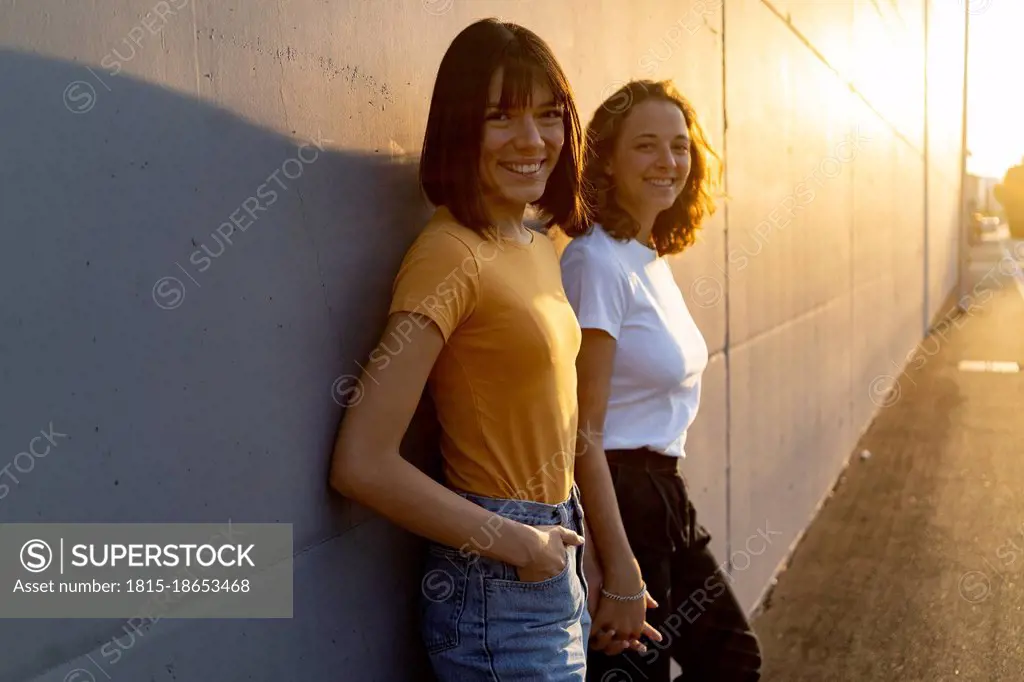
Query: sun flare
[995, 89]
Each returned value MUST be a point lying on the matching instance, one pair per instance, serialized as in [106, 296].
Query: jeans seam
[485, 635]
[460, 595]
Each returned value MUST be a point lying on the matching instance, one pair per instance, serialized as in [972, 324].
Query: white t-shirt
[625, 289]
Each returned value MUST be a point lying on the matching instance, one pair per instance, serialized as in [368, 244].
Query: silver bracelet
[618, 597]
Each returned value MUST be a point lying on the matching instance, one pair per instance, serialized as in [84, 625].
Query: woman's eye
[554, 113]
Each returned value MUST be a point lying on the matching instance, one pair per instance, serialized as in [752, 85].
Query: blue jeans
[481, 623]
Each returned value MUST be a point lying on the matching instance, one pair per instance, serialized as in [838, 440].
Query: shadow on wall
[185, 295]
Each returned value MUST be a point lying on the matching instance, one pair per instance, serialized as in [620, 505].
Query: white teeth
[661, 182]
[522, 168]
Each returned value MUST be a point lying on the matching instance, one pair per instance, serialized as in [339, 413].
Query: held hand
[550, 557]
[620, 624]
[615, 643]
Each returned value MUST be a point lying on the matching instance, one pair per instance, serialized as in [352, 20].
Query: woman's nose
[528, 133]
[666, 158]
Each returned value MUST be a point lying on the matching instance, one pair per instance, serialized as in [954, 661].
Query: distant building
[978, 193]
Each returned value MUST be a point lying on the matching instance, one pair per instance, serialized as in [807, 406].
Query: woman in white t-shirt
[639, 381]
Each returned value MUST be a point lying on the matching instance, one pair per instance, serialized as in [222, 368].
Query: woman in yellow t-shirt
[479, 315]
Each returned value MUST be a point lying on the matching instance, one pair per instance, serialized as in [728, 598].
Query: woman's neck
[646, 222]
[644, 235]
[508, 220]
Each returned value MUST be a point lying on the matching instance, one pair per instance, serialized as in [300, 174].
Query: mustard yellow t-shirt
[505, 383]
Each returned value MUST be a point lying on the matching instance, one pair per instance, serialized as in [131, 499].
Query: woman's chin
[665, 202]
[653, 201]
[523, 197]
[654, 207]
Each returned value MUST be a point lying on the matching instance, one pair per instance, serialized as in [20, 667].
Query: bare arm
[605, 530]
[368, 467]
[617, 625]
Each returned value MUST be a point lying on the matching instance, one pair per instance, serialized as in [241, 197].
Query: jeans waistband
[530, 512]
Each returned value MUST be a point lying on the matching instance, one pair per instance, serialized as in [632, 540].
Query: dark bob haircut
[675, 228]
[449, 165]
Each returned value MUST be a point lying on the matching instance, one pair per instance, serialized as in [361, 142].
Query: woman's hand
[618, 625]
[549, 556]
[610, 641]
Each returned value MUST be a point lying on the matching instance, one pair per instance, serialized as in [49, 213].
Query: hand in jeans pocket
[551, 555]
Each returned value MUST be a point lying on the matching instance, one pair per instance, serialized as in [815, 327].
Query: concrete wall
[134, 129]
[945, 124]
[829, 271]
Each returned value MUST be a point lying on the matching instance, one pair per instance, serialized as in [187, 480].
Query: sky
[995, 86]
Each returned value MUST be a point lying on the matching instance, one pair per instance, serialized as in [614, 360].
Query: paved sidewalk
[914, 569]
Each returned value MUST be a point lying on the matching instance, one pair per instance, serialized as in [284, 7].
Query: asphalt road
[914, 568]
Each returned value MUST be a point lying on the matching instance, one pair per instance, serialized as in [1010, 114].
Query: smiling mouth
[525, 169]
[660, 182]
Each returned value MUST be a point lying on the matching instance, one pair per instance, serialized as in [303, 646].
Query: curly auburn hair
[674, 228]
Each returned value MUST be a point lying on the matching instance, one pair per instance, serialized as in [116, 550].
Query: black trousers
[703, 626]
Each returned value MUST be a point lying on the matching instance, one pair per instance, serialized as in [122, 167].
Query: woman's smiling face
[520, 147]
[651, 161]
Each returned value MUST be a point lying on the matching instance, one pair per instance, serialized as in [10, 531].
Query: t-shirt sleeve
[597, 289]
[438, 278]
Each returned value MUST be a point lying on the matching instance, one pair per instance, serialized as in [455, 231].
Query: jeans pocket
[443, 597]
[536, 626]
[515, 582]
[553, 585]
